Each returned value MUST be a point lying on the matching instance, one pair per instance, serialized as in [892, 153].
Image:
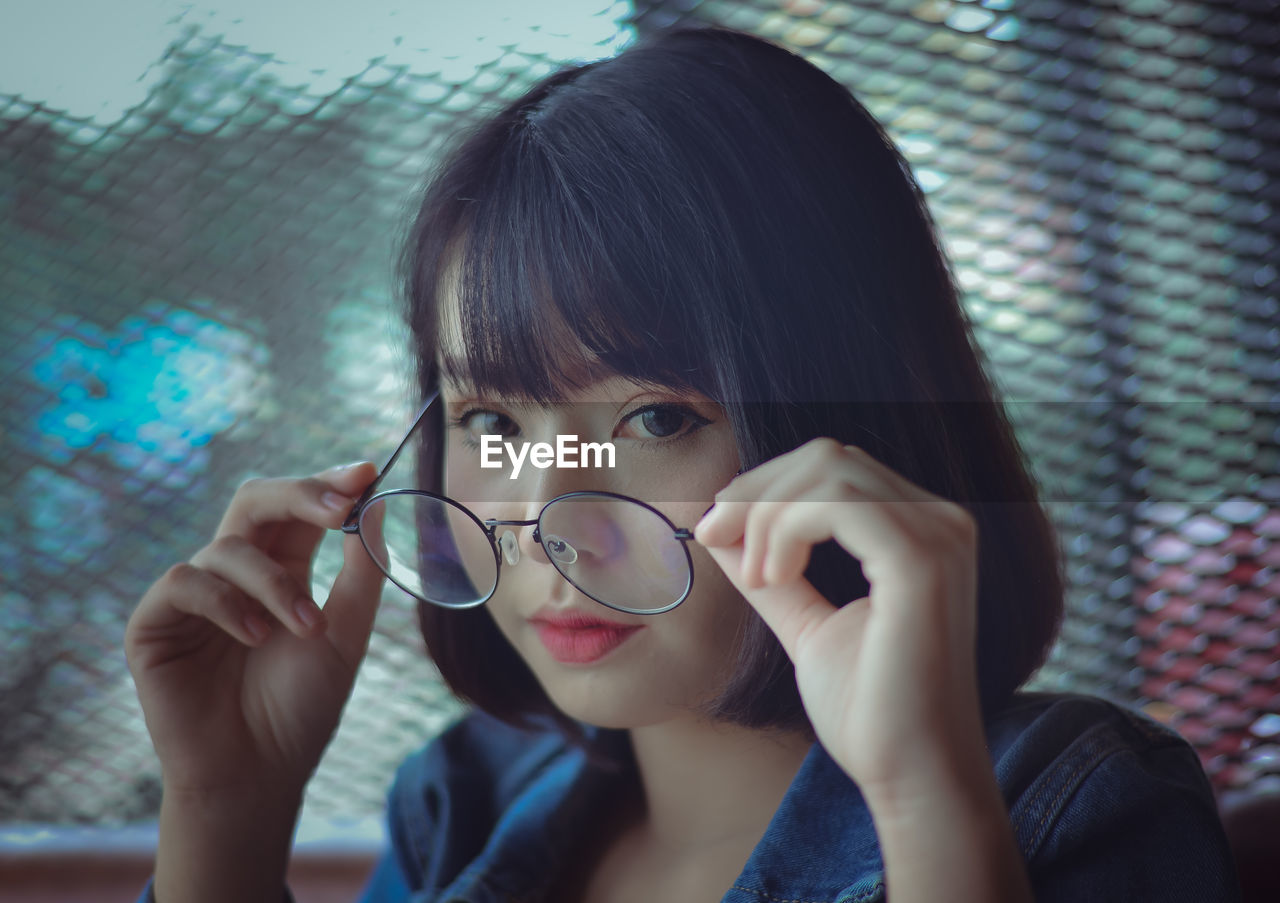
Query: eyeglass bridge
[558, 548]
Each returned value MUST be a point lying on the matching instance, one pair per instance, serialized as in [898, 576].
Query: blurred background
[199, 207]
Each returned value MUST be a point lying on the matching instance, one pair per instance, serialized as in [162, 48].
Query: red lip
[578, 639]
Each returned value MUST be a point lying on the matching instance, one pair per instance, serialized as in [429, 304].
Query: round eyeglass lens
[617, 551]
[432, 548]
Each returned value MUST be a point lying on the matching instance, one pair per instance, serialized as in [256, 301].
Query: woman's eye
[477, 422]
[663, 421]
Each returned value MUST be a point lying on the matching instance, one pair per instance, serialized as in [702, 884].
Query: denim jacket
[1106, 805]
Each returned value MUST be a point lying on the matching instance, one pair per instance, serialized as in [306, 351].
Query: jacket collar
[819, 846]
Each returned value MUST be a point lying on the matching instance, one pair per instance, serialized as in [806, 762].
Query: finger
[243, 565]
[761, 515]
[790, 611]
[818, 460]
[912, 559]
[830, 472]
[893, 484]
[187, 594]
[321, 502]
[349, 479]
[353, 602]
[790, 545]
[822, 457]
[803, 523]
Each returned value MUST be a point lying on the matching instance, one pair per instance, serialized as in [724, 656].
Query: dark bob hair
[711, 212]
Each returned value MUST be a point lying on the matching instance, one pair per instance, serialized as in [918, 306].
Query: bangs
[558, 278]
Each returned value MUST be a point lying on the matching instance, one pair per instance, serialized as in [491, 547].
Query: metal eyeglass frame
[490, 525]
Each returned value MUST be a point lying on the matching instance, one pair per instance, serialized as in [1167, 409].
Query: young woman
[708, 254]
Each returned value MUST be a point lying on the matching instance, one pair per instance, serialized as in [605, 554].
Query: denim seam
[1087, 753]
[1094, 750]
[1068, 786]
[874, 893]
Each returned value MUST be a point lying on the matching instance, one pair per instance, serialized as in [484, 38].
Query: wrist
[947, 834]
[224, 845]
[231, 797]
[974, 800]
[959, 775]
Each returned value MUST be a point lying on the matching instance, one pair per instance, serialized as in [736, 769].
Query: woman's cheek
[484, 492]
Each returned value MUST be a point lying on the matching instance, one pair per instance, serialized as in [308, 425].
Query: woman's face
[672, 451]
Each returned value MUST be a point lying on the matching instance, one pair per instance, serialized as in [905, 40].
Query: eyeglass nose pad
[510, 548]
[560, 550]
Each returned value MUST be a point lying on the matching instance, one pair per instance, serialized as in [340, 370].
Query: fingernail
[339, 468]
[308, 613]
[335, 501]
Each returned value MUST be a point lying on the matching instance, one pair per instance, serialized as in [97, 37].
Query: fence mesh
[200, 291]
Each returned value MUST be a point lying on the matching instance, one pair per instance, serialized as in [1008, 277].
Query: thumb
[353, 601]
[350, 479]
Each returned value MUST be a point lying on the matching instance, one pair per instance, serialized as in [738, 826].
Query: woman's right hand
[242, 678]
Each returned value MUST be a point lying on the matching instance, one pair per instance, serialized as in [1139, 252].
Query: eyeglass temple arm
[349, 525]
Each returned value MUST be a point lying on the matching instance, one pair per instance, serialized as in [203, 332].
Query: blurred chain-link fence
[199, 290]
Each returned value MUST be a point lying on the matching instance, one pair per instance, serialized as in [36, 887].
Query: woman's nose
[588, 531]
[527, 546]
[547, 485]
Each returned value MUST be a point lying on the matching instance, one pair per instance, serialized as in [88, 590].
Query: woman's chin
[621, 706]
[611, 711]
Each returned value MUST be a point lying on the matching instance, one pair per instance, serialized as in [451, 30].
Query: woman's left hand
[889, 680]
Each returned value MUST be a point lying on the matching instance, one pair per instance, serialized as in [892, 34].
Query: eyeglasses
[618, 550]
